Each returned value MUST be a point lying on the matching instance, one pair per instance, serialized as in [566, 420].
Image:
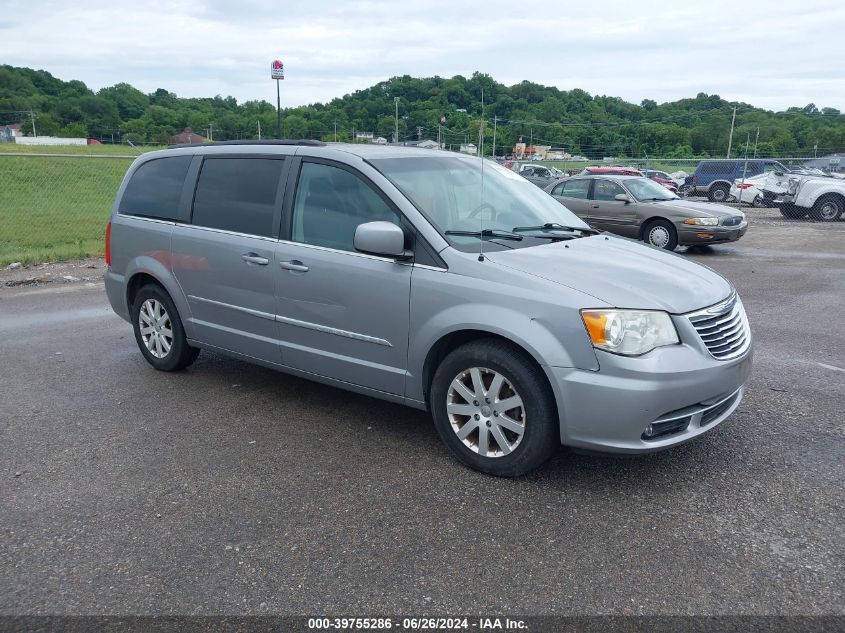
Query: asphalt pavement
[230, 488]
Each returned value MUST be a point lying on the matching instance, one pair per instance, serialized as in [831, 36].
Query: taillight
[744, 185]
[108, 244]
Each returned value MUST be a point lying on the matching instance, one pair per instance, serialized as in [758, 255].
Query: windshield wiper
[552, 226]
[656, 199]
[506, 235]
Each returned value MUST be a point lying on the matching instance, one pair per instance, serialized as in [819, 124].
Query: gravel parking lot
[230, 488]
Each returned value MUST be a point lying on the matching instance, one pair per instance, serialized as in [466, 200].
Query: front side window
[606, 190]
[155, 188]
[238, 194]
[330, 204]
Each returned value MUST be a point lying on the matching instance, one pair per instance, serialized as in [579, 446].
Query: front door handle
[294, 264]
[255, 258]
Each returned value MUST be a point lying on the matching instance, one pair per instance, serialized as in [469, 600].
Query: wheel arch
[145, 270]
[456, 338]
[644, 224]
[719, 182]
[829, 194]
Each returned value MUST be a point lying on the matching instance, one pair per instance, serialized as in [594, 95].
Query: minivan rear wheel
[493, 408]
[159, 332]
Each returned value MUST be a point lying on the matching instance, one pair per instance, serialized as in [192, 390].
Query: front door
[341, 314]
[609, 214]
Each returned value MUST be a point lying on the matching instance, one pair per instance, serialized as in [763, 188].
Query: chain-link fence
[55, 206]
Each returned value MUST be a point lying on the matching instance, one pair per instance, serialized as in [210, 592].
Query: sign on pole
[277, 70]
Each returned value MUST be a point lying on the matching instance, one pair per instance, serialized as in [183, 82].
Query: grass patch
[55, 208]
[89, 150]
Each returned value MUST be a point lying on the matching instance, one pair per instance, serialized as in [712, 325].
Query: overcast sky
[771, 54]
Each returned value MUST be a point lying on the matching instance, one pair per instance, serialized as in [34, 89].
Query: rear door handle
[294, 264]
[255, 258]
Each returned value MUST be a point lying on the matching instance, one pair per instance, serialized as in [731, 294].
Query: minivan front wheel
[493, 408]
[159, 332]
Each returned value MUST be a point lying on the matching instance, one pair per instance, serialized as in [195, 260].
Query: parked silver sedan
[642, 209]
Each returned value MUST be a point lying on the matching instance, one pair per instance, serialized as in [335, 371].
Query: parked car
[798, 195]
[596, 170]
[749, 190]
[392, 272]
[539, 174]
[639, 208]
[714, 178]
[662, 178]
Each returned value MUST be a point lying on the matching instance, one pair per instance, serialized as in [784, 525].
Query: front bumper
[610, 410]
[689, 234]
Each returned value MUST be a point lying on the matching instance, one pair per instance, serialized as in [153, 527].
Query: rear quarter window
[155, 188]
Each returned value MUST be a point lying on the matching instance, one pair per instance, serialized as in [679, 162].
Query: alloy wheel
[486, 412]
[156, 328]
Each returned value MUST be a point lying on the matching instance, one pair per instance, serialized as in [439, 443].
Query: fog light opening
[704, 236]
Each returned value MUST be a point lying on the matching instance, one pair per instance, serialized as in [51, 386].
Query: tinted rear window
[238, 194]
[155, 188]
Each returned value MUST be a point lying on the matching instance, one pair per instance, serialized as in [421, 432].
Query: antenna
[481, 196]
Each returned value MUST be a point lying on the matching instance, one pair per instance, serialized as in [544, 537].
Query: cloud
[769, 54]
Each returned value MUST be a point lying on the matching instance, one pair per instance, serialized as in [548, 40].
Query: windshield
[448, 190]
[644, 189]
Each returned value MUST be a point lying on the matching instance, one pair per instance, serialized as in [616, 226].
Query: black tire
[541, 436]
[718, 193]
[792, 212]
[650, 234]
[828, 208]
[179, 355]
[758, 202]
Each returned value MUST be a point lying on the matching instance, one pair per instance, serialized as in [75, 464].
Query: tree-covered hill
[594, 126]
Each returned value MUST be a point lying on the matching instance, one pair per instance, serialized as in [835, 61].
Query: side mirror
[623, 197]
[381, 238]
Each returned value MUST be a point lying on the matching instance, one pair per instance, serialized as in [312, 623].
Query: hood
[699, 209]
[621, 272]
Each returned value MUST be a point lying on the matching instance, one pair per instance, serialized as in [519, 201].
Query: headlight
[629, 332]
[702, 221]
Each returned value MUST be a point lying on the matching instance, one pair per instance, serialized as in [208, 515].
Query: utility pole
[419, 132]
[32, 118]
[335, 130]
[816, 150]
[495, 118]
[278, 111]
[532, 138]
[755, 142]
[731, 137]
[396, 121]
[744, 169]
[353, 135]
[259, 129]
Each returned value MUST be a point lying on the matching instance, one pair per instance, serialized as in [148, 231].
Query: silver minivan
[436, 280]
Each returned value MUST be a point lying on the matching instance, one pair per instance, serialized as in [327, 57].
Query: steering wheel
[477, 210]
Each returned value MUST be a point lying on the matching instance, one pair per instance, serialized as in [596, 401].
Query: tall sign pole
[277, 72]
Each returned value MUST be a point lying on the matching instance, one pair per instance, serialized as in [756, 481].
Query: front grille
[733, 220]
[723, 328]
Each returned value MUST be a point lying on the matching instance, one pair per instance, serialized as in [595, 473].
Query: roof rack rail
[271, 141]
